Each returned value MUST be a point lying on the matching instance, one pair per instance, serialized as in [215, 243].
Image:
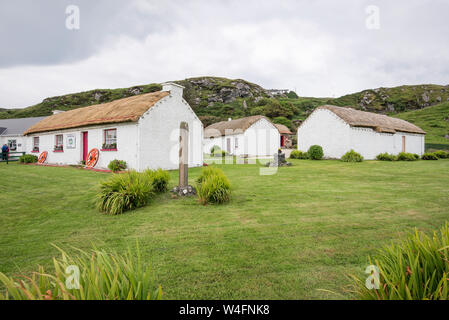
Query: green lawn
[284, 236]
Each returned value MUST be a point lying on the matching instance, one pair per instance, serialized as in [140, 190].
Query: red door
[282, 141]
[85, 146]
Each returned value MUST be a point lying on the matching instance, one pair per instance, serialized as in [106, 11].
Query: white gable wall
[326, 129]
[260, 139]
[158, 134]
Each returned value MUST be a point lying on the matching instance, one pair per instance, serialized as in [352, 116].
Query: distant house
[251, 136]
[286, 136]
[142, 130]
[12, 130]
[339, 129]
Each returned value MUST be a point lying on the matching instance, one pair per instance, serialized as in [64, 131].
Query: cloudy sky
[320, 48]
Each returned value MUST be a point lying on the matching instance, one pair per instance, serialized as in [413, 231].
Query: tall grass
[102, 276]
[159, 179]
[416, 268]
[213, 186]
[123, 192]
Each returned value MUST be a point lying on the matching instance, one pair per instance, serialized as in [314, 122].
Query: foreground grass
[284, 236]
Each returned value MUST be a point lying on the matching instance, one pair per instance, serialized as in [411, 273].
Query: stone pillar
[184, 155]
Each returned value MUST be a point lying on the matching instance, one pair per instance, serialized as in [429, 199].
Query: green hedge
[352, 156]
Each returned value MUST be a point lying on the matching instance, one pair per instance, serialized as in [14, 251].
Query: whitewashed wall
[159, 134]
[326, 129]
[126, 145]
[23, 143]
[261, 139]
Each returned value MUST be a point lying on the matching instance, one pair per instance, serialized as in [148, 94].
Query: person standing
[5, 153]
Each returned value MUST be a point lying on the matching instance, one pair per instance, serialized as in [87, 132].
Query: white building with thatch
[338, 130]
[251, 136]
[143, 130]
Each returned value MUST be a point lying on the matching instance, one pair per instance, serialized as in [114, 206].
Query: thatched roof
[378, 122]
[282, 129]
[123, 110]
[231, 127]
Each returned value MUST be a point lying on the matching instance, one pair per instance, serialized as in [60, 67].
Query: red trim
[109, 150]
[34, 151]
[58, 151]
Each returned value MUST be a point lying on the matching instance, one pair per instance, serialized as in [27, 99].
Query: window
[36, 144]
[110, 139]
[59, 142]
[12, 144]
[236, 143]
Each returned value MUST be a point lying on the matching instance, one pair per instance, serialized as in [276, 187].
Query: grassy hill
[215, 99]
[435, 121]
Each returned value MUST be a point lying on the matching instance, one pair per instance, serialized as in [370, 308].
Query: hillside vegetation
[216, 99]
[435, 121]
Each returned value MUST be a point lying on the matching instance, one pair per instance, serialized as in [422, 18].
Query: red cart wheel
[92, 158]
[42, 157]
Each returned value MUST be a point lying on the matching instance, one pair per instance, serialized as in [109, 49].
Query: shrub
[213, 186]
[215, 150]
[103, 276]
[28, 158]
[159, 179]
[123, 192]
[440, 154]
[117, 165]
[296, 154]
[404, 156]
[386, 157]
[415, 268]
[315, 152]
[352, 156]
[429, 156]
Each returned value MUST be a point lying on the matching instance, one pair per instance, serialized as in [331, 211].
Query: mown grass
[284, 236]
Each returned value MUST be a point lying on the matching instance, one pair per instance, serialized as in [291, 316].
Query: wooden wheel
[42, 157]
[92, 158]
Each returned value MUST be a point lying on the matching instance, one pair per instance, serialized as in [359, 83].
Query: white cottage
[142, 130]
[251, 136]
[12, 130]
[339, 130]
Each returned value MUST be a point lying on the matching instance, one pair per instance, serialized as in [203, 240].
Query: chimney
[57, 111]
[173, 88]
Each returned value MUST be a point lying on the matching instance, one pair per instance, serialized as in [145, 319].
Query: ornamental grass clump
[159, 179]
[416, 268]
[124, 192]
[86, 275]
[213, 186]
[352, 156]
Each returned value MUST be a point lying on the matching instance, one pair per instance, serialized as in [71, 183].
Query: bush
[123, 192]
[404, 156]
[102, 276]
[440, 154]
[315, 152]
[160, 179]
[429, 156]
[213, 186]
[296, 154]
[386, 157]
[215, 150]
[352, 156]
[117, 165]
[28, 158]
[415, 268]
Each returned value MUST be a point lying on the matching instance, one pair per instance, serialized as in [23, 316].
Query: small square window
[36, 144]
[59, 142]
[110, 139]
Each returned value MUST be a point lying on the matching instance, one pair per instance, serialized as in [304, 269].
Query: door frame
[85, 145]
